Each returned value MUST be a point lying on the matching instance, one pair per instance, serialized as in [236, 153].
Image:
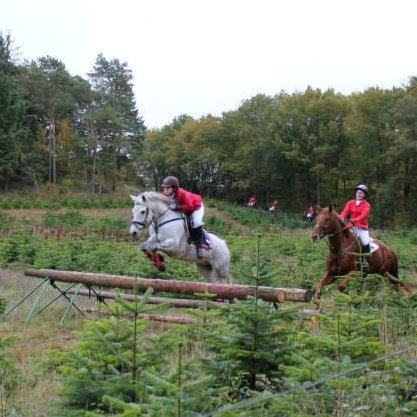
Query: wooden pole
[152, 317]
[174, 302]
[225, 291]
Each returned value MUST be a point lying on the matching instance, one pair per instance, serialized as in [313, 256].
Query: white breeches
[197, 217]
[362, 234]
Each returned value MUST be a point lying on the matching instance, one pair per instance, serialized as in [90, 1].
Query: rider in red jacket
[356, 212]
[190, 204]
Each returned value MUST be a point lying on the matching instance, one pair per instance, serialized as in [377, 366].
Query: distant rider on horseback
[190, 204]
[357, 212]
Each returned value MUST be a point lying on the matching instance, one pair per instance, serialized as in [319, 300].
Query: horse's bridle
[142, 223]
[328, 235]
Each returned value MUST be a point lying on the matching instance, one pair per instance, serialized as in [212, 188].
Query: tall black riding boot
[197, 235]
[365, 253]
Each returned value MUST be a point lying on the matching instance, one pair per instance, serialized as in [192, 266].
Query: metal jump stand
[62, 293]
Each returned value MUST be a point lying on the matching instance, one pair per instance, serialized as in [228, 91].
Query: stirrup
[365, 266]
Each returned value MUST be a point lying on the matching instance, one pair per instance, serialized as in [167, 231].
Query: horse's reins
[338, 231]
[334, 233]
[158, 226]
[341, 230]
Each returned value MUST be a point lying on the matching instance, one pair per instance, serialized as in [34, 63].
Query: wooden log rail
[173, 302]
[223, 291]
[151, 317]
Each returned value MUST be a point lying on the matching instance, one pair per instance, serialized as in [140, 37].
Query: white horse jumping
[168, 234]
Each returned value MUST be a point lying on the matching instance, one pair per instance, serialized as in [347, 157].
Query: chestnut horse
[344, 248]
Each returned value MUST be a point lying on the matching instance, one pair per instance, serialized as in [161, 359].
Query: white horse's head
[147, 206]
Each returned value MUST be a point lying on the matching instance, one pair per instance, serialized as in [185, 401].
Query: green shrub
[69, 218]
[71, 203]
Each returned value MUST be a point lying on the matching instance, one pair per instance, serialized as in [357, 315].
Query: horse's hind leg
[406, 287]
[221, 274]
[213, 274]
[206, 271]
[344, 284]
[398, 284]
[391, 265]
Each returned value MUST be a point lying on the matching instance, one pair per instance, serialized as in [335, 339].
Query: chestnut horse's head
[327, 223]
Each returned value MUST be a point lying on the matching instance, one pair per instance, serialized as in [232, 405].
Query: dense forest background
[302, 148]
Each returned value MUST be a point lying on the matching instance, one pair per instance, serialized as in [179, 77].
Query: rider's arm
[346, 211]
[364, 213]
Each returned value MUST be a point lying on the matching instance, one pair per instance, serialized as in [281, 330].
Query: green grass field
[95, 239]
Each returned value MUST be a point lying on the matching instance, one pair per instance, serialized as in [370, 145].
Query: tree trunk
[224, 291]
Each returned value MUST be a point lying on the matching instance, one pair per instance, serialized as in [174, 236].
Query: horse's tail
[394, 267]
[409, 288]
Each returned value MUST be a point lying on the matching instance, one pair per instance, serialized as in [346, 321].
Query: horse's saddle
[373, 246]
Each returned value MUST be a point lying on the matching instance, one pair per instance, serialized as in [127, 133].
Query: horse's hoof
[144, 247]
[316, 297]
[343, 288]
[316, 300]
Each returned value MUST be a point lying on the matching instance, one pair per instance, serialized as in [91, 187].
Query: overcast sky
[199, 57]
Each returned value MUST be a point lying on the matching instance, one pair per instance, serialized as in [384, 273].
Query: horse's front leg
[326, 280]
[149, 248]
[167, 245]
[149, 245]
[145, 247]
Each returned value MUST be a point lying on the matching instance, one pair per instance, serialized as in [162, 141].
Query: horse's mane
[335, 215]
[156, 196]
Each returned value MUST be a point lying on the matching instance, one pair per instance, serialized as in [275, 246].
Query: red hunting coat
[188, 201]
[358, 215]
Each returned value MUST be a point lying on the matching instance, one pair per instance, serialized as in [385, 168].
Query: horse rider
[310, 213]
[356, 212]
[274, 207]
[252, 202]
[191, 205]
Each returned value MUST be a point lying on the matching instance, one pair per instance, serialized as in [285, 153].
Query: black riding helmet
[171, 181]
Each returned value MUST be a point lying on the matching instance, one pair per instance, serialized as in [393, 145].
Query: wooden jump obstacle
[172, 302]
[90, 281]
[222, 291]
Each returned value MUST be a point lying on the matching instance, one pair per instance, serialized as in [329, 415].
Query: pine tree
[109, 361]
[250, 352]
[14, 130]
[337, 370]
[118, 127]
[9, 376]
